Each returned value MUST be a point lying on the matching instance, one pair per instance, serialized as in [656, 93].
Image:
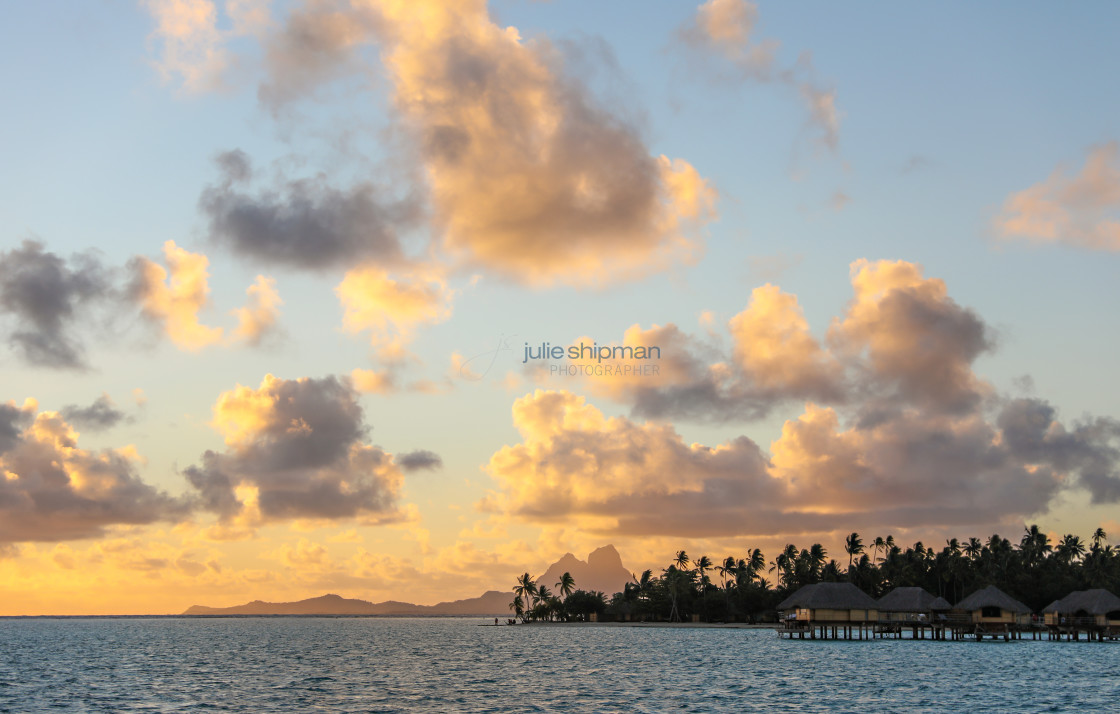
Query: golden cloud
[391, 307]
[173, 296]
[613, 476]
[1081, 210]
[258, 317]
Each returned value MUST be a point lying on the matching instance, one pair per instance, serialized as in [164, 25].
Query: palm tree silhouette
[525, 589]
[853, 546]
[1099, 536]
[704, 563]
[878, 545]
[682, 560]
[566, 584]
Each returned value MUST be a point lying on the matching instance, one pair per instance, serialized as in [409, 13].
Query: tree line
[1034, 571]
[534, 602]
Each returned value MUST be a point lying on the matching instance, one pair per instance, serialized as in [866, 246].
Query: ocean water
[261, 665]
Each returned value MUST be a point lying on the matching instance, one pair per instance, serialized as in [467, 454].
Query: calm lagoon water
[263, 665]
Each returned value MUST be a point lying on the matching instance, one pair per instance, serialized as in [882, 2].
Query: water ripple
[346, 665]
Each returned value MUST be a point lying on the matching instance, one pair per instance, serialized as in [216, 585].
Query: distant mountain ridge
[491, 603]
[603, 571]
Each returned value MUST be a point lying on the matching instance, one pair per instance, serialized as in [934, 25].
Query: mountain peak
[603, 571]
[605, 557]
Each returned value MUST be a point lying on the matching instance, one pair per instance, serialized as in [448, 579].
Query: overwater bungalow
[828, 610]
[914, 609]
[1095, 612]
[989, 612]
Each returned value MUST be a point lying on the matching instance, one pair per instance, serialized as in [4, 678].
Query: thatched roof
[829, 596]
[911, 600]
[1094, 602]
[991, 596]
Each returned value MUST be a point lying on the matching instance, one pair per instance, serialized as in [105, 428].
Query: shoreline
[699, 625]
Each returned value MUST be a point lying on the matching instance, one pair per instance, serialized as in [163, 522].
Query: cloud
[619, 477]
[420, 460]
[902, 341]
[49, 299]
[320, 41]
[295, 450]
[53, 490]
[726, 28]
[391, 307]
[528, 174]
[306, 223]
[173, 296]
[193, 45]
[1091, 448]
[368, 381]
[775, 350]
[1081, 210]
[100, 415]
[191, 42]
[773, 359]
[911, 338]
[574, 462]
[257, 319]
[823, 112]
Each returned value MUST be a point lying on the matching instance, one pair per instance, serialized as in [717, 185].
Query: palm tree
[1070, 549]
[726, 570]
[756, 562]
[853, 546]
[1099, 536]
[877, 546]
[544, 598]
[526, 589]
[518, 609]
[566, 585]
[973, 549]
[817, 557]
[704, 563]
[784, 563]
[675, 583]
[682, 560]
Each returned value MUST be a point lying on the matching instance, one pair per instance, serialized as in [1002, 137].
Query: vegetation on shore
[534, 602]
[1034, 571]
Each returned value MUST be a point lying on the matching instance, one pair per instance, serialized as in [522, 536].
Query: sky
[272, 273]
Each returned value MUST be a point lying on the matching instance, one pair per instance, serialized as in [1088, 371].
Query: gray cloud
[1090, 449]
[302, 450]
[13, 420]
[320, 41]
[304, 223]
[47, 297]
[100, 415]
[419, 460]
[57, 491]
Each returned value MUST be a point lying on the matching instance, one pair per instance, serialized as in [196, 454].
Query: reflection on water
[405, 665]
